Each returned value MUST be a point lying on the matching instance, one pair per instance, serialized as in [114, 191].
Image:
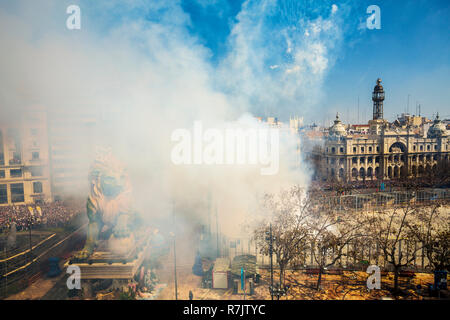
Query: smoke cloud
[136, 69]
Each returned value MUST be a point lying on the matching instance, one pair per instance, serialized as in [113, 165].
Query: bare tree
[331, 233]
[433, 231]
[393, 229]
[289, 211]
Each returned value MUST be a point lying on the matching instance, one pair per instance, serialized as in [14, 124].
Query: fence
[355, 255]
[19, 270]
[378, 200]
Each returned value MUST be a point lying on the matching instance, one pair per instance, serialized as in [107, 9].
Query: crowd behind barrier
[45, 215]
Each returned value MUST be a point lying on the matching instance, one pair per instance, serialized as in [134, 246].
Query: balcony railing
[14, 161]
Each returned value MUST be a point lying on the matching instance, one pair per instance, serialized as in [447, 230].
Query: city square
[188, 153]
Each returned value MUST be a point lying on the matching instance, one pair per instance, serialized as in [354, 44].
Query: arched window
[362, 173]
[354, 173]
[396, 172]
[420, 170]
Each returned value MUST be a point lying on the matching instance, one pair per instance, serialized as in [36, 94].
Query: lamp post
[269, 237]
[174, 254]
[29, 234]
[175, 266]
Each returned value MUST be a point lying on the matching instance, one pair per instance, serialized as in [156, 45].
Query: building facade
[24, 159]
[403, 149]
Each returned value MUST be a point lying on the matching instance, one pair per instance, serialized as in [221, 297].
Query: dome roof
[337, 129]
[438, 129]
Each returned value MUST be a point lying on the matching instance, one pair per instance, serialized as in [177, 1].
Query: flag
[39, 210]
[31, 210]
[242, 279]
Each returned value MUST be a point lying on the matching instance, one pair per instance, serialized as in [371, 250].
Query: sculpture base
[115, 270]
[103, 264]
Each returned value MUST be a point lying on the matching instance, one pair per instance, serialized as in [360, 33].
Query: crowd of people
[56, 214]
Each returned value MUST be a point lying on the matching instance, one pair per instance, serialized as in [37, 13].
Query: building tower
[378, 98]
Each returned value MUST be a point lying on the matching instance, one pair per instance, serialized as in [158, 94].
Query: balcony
[15, 161]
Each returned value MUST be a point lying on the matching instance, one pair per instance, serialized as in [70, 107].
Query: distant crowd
[362, 187]
[56, 214]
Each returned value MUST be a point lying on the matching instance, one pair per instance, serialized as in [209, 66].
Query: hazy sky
[286, 57]
[410, 52]
[147, 67]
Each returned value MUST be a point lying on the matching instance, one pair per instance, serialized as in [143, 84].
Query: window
[2, 159]
[421, 148]
[362, 149]
[3, 194]
[354, 149]
[35, 155]
[37, 187]
[15, 173]
[332, 160]
[370, 149]
[341, 160]
[2, 174]
[16, 158]
[435, 147]
[354, 160]
[333, 150]
[378, 149]
[36, 171]
[17, 192]
[428, 147]
[414, 148]
[341, 150]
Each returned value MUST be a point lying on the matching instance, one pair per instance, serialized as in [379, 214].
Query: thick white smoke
[136, 69]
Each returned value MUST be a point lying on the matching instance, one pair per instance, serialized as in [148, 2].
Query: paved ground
[38, 289]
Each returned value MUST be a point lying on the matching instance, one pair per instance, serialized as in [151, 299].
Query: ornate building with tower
[402, 149]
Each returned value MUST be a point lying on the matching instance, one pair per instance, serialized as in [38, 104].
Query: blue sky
[280, 57]
[411, 53]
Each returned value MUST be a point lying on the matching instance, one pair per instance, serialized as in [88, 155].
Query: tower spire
[378, 98]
